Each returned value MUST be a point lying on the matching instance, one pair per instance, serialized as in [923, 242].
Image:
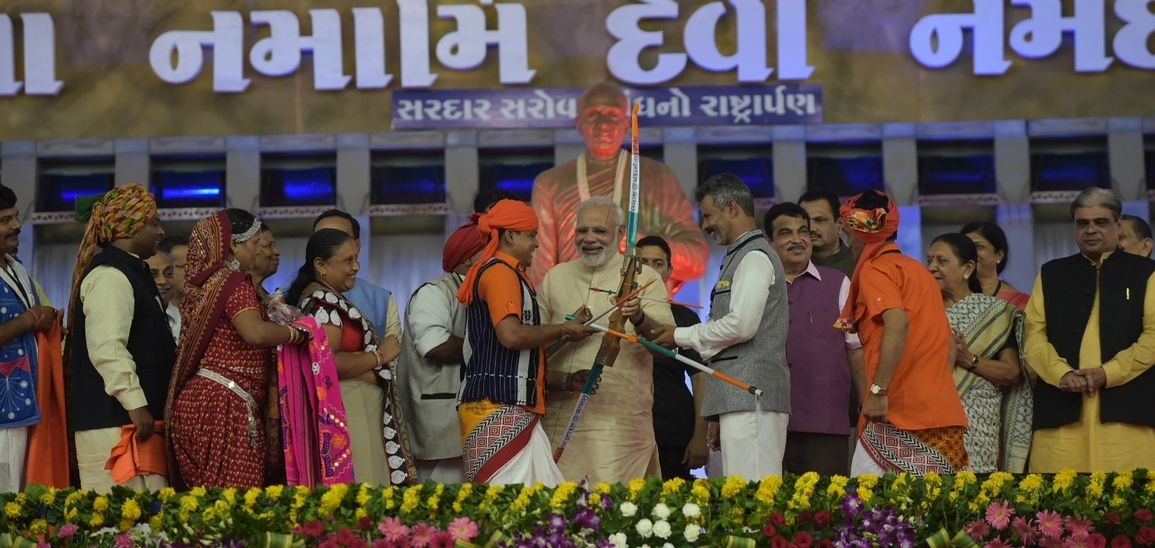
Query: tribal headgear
[505, 214]
[464, 243]
[119, 213]
[873, 226]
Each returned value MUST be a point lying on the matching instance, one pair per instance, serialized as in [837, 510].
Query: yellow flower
[166, 494]
[125, 525]
[1122, 481]
[1151, 485]
[868, 480]
[12, 510]
[494, 490]
[130, 510]
[602, 487]
[49, 496]
[361, 513]
[411, 499]
[865, 493]
[251, 497]
[100, 504]
[273, 492]
[734, 485]
[561, 495]
[1117, 501]
[701, 491]
[230, 495]
[932, 478]
[96, 520]
[38, 527]
[636, 485]
[835, 490]
[1063, 479]
[76, 496]
[768, 489]
[156, 522]
[331, 499]
[673, 485]
[189, 503]
[71, 514]
[364, 494]
[595, 500]
[198, 492]
[1032, 483]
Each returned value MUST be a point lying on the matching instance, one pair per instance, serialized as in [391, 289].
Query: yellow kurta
[1090, 445]
[614, 441]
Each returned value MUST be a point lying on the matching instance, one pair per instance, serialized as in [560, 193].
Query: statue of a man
[604, 170]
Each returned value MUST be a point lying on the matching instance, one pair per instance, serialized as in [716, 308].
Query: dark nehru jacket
[149, 342]
[1069, 287]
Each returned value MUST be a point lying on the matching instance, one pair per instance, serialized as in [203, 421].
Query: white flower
[661, 511]
[662, 529]
[645, 528]
[628, 509]
[691, 510]
[692, 532]
[667, 545]
[619, 540]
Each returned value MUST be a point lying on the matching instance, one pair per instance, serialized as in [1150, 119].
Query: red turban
[464, 243]
[505, 214]
[873, 226]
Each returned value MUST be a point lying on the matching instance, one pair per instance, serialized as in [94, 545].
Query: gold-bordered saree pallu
[494, 435]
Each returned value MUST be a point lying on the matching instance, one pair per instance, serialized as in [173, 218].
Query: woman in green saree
[989, 374]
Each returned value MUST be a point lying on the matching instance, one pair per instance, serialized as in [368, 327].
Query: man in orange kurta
[603, 170]
[912, 418]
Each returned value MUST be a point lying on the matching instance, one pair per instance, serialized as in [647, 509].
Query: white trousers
[93, 447]
[753, 443]
[13, 451]
[863, 463]
[441, 471]
[533, 464]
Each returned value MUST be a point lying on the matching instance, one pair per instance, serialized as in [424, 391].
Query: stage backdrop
[144, 68]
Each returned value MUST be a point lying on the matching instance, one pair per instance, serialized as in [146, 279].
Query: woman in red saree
[225, 361]
[380, 454]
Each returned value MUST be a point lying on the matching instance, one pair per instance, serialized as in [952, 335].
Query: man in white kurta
[614, 441]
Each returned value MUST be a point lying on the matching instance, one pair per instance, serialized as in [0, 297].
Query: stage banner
[557, 107]
[77, 69]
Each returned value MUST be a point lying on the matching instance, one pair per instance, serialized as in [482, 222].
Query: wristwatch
[878, 390]
[974, 362]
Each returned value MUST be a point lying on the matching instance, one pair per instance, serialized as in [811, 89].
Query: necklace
[619, 176]
[997, 289]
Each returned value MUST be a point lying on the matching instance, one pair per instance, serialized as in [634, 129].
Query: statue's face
[603, 125]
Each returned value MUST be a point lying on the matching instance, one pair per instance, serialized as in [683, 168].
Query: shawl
[316, 440]
[208, 284]
[47, 459]
[988, 324]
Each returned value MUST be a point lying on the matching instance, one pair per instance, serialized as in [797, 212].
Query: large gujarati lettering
[177, 56]
[936, 40]
[39, 56]
[701, 38]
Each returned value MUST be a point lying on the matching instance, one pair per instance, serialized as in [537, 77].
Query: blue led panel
[1051, 171]
[845, 175]
[298, 186]
[57, 190]
[513, 177]
[756, 172]
[957, 174]
[188, 188]
[407, 184]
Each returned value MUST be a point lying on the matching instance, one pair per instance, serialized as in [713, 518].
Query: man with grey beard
[614, 442]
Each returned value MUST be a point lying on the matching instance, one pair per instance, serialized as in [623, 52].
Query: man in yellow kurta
[614, 441]
[603, 170]
[1091, 338]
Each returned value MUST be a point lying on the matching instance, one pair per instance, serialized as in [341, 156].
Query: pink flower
[441, 539]
[1024, 529]
[1078, 527]
[1144, 514]
[998, 543]
[802, 539]
[67, 530]
[392, 529]
[422, 534]
[463, 529]
[1145, 536]
[1095, 540]
[977, 529]
[1050, 523]
[124, 540]
[1120, 541]
[999, 514]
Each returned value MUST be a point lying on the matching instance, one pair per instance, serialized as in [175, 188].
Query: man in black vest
[1091, 338]
[120, 349]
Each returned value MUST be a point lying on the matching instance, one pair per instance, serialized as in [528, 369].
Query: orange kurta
[922, 393]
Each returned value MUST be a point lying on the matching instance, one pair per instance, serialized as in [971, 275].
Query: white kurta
[614, 441]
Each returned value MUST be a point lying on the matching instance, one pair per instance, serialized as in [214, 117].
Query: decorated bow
[631, 267]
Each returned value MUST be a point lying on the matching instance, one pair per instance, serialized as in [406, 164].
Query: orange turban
[873, 226]
[464, 243]
[504, 215]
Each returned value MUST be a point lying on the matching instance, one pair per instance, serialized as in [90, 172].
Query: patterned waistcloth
[314, 432]
[494, 435]
[917, 452]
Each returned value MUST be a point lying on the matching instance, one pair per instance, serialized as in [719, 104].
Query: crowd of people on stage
[174, 365]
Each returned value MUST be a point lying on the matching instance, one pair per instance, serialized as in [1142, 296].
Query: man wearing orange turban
[503, 393]
[429, 372]
[119, 346]
[912, 418]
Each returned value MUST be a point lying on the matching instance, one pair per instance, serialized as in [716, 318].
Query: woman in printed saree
[988, 373]
[380, 452]
[220, 383]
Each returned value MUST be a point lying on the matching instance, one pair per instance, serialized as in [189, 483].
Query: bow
[631, 267]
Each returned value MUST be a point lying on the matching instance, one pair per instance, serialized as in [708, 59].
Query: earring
[233, 263]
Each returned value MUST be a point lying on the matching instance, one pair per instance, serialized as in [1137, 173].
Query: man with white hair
[614, 441]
